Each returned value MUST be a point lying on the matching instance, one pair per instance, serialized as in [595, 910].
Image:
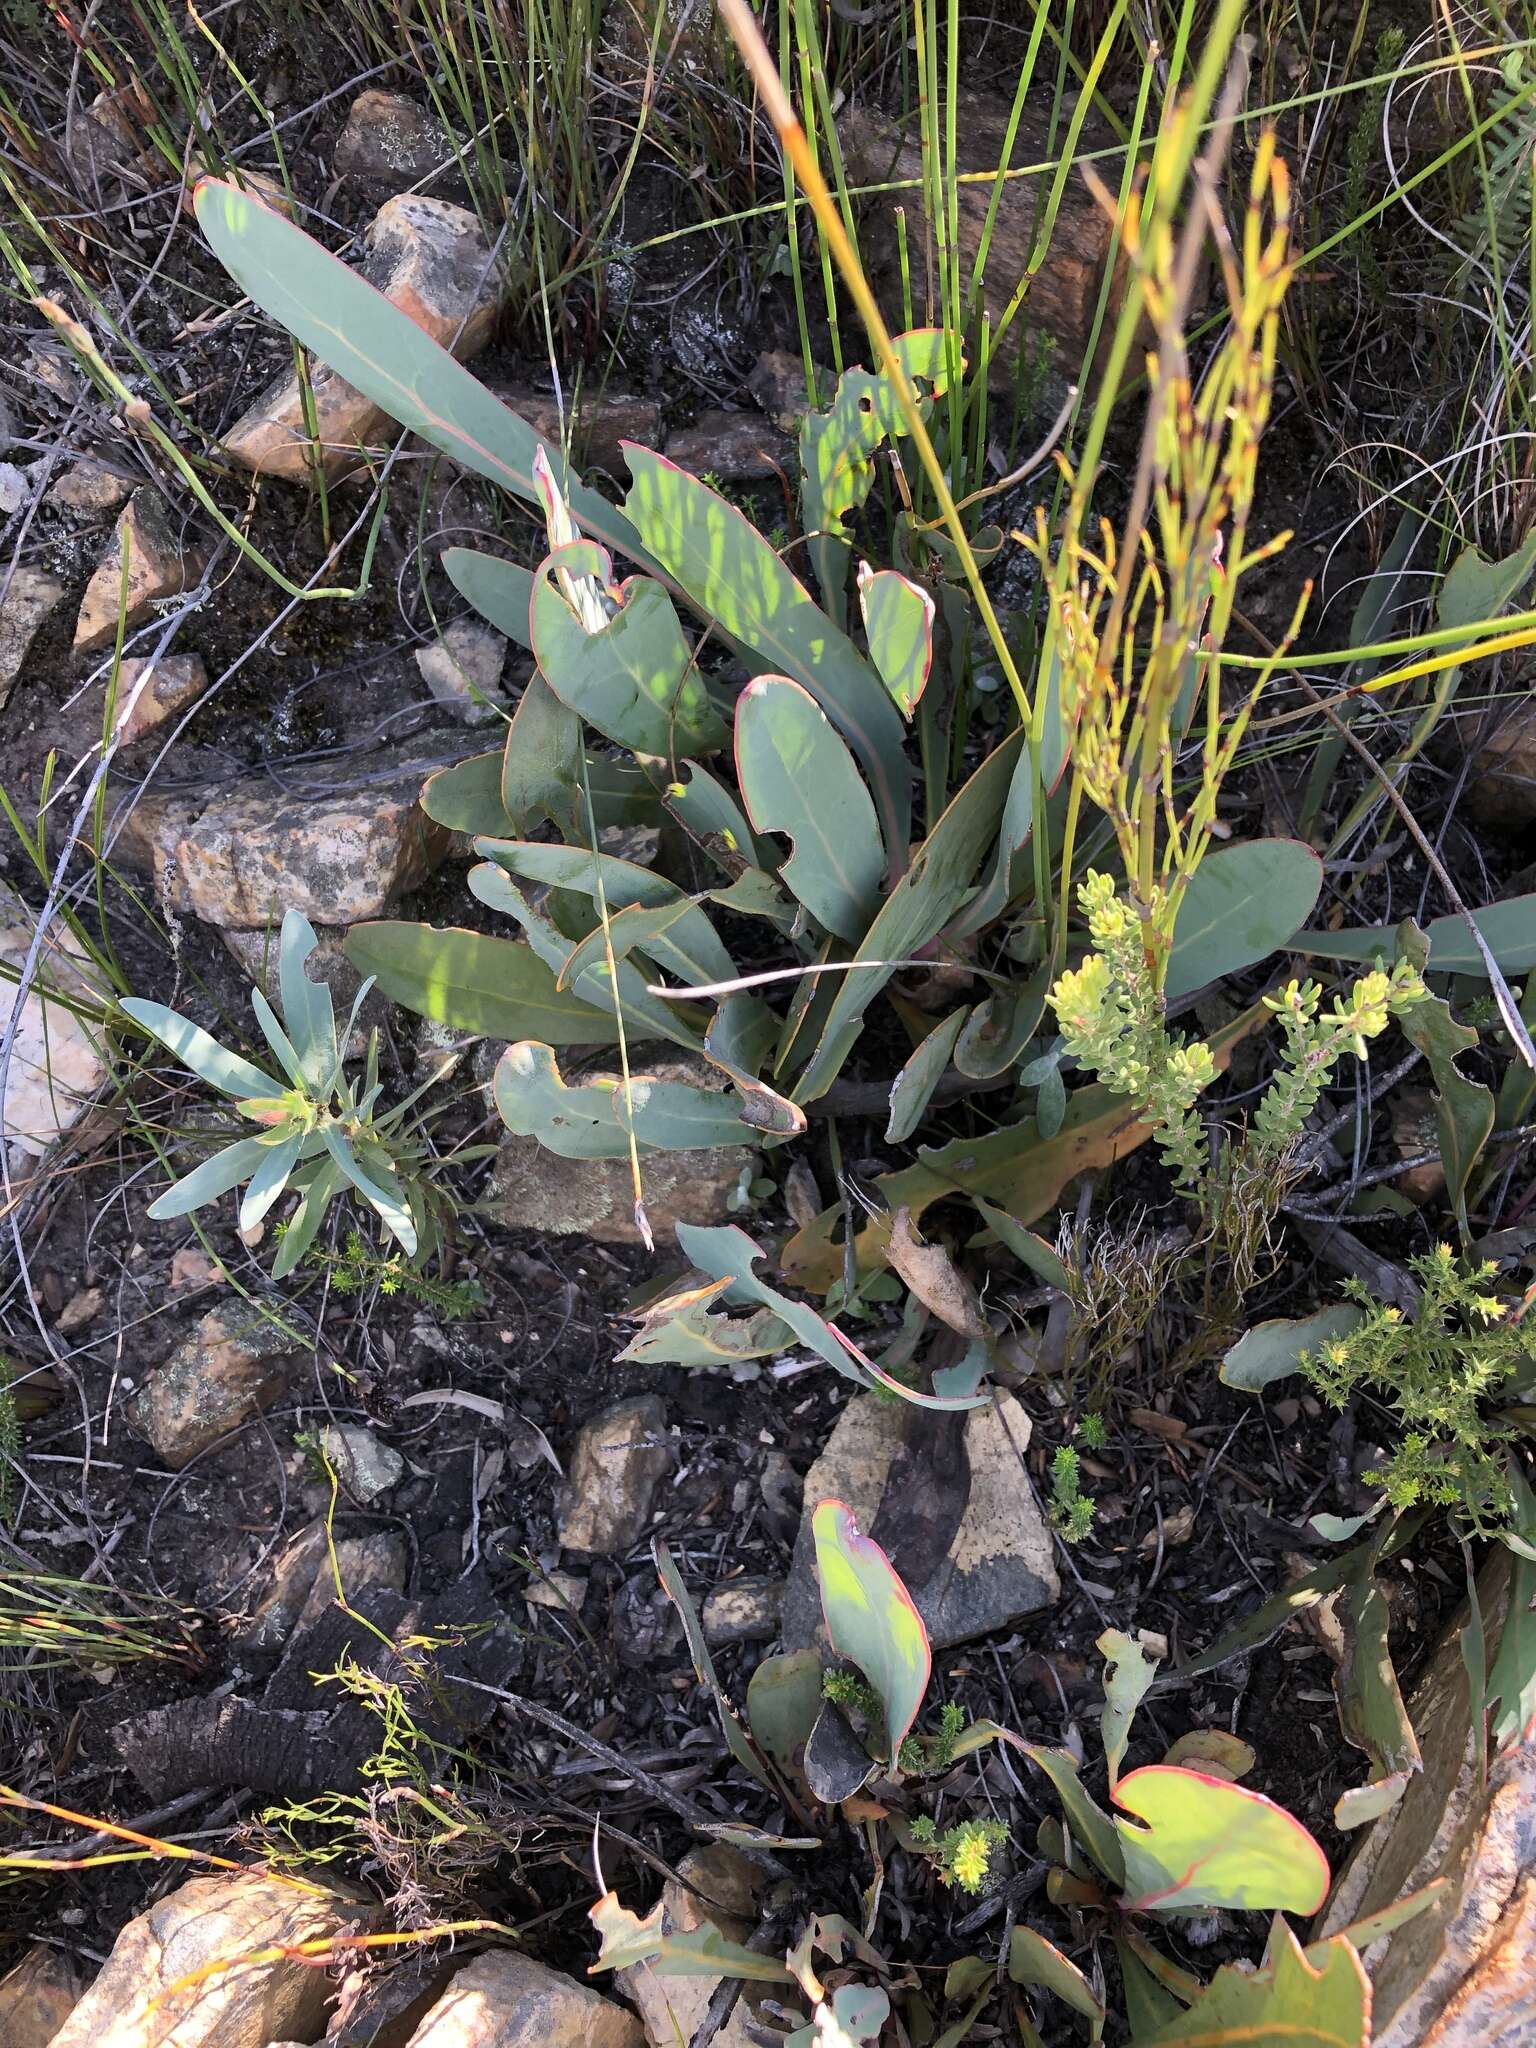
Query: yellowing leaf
[1206, 1842]
[1320, 1998]
[870, 1616]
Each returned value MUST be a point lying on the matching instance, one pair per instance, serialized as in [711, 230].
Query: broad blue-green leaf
[1034, 1960]
[1511, 1688]
[500, 591]
[783, 1701]
[1463, 1109]
[214, 1177]
[916, 910]
[592, 1120]
[871, 1617]
[686, 946]
[723, 1252]
[1245, 902]
[635, 680]
[378, 1187]
[1012, 869]
[1128, 1674]
[737, 1042]
[732, 574]
[1508, 927]
[1269, 1350]
[710, 814]
[472, 982]
[1195, 1842]
[361, 335]
[1027, 1246]
[898, 624]
[838, 446]
[912, 1090]
[270, 1178]
[467, 797]
[689, 1327]
[307, 1008]
[196, 1049]
[645, 1015]
[798, 778]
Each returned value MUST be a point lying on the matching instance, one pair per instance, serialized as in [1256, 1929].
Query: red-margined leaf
[798, 778]
[1196, 1841]
[1317, 1998]
[898, 624]
[871, 1618]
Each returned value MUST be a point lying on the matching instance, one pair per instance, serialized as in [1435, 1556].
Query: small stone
[90, 489]
[58, 1061]
[80, 1311]
[619, 1460]
[38, 1996]
[736, 447]
[1415, 1131]
[782, 1490]
[463, 669]
[168, 1984]
[364, 1466]
[192, 1268]
[600, 422]
[535, 1189]
[714, 1886]
[390, 143]
[235, 1363]
[159, 566]
[504, 2000]
[777, 383]
[15, 489]
[744, 1610]
[150, 691]
[998, 1566]
[253, 853]
[293, 1574]
[563, 1591]
[430, 259]
[646, 1628]
[25, 602]
[328, 963]
[377, 1559]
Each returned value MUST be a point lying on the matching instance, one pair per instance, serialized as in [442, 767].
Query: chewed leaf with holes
[634, 676]
[1196, 1841]
[703, 1952]
[1319, 1997]
[898, 623]
[689, 1327]
[798, 778]
[871, 1618]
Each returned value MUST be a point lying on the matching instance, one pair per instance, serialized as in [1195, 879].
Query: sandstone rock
[90, 489]
[620, 1459]
[1064, 294]
[149, 691]
[599, 421]
[504, 2000]
[777, 383]
[377, 1559]
[736, 447]
[428, 258]
[389, 143]
[949, 1499]
[24, 604]
[57, 1058]
[144, 838]
[328, 963]
[565, 1592]
[365, 1467]
[534, 1189]
[240, 857]
[1504, 790]
[159, 565]
[208, 1925]
[463, 669]
[744, 1610]
[1462, 1974]
[235, 1363]
[672, 2007]
[38, 1996]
